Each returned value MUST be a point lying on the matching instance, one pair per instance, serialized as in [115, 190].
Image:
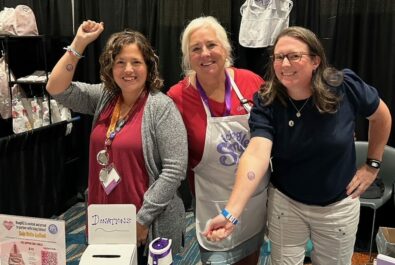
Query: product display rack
[24, 55]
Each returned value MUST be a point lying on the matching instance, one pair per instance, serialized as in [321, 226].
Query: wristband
[374, 163]
[229, 216]
[73, 51]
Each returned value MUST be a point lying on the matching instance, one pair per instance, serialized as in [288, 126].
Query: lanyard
[228, 101]
[117, 122]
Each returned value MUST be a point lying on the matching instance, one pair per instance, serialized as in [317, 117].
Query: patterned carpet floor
[76, 241]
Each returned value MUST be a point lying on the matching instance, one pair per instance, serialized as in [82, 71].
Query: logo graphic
[8, 224]
[53, 229]
[232, 146]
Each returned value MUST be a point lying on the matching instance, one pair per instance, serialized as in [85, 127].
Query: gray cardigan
[165, 153]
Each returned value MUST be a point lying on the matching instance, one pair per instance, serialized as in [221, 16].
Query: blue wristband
[229, 216]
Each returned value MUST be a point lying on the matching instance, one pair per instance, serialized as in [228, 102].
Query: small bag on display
[19, 21]
[262, 21]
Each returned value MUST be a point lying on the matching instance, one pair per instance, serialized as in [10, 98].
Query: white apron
[226, 139]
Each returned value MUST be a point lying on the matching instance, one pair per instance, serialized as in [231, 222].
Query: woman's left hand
[142, 234]
[218, 229]
[363, 178]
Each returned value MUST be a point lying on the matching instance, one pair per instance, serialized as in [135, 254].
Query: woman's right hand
[87, 32]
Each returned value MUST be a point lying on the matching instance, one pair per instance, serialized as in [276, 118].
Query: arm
[252, 167]
[166, 155]
[379, 130]
[63, 72]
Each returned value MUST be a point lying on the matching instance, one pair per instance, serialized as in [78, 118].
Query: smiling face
[206, 54]
[129, 69]
[295, 75]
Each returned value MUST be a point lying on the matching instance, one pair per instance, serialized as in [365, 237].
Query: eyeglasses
[292, 56]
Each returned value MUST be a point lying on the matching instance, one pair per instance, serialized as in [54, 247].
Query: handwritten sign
[112, 224]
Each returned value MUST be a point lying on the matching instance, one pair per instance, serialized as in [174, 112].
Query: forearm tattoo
[251, 175]
[69, 67]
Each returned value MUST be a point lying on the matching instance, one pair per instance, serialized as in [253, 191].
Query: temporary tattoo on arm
[69, 67]
[250, 175]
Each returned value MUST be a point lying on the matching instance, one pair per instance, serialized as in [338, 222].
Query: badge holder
[111, 235]
[109, 178]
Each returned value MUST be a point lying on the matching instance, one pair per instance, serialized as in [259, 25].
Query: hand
[218, 228]
[363, 178]
[87, 32]
[142, 234]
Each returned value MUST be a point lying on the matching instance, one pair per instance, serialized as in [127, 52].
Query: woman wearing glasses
[138, 144]
[303, 120]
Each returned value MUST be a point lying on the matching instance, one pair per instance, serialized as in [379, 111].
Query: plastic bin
[385, 241]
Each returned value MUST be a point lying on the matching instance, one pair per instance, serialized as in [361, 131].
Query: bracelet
[229, 216]
[73, 51]
[374, 163]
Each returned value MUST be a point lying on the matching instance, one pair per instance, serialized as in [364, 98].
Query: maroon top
[126, 153]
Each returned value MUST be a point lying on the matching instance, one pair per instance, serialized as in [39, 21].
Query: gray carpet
[76, 243]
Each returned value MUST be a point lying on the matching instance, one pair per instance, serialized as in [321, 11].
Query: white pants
[332, 230]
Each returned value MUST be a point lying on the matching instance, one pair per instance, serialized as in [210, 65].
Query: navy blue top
[314, 160]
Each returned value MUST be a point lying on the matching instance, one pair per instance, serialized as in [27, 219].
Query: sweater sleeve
[166, 154]
[81, 97]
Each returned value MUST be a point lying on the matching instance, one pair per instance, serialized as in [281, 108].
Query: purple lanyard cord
[228, 100]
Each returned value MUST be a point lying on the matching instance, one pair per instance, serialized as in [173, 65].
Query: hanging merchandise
[5, 98]
[45, 110]
[20, 120]
[36, 114]
[19, 21]
[262, 21]
[65, 115]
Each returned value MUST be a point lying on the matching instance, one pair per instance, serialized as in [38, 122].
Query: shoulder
[177, 89]
[362, 95]
[158, 99]
[354, 83]
[247, 81]
[159, 103]
[245, 73]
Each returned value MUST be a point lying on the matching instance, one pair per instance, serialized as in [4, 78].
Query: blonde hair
[199, 23]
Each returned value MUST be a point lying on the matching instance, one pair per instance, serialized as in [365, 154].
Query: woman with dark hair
[303, 124]
[138, 144]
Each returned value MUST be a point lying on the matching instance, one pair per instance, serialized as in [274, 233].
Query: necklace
[298, 114]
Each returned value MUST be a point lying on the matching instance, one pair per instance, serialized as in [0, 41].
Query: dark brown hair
[114, 46]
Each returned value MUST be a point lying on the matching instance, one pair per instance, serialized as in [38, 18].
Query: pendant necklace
[298, 114]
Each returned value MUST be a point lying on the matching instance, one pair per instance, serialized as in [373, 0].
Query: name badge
[111, 180]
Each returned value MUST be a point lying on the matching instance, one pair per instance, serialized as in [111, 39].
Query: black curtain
[358, 34]
[31, 170]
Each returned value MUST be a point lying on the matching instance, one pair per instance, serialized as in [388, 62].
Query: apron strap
[243, 100]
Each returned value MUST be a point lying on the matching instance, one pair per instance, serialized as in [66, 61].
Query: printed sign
[32, 241]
